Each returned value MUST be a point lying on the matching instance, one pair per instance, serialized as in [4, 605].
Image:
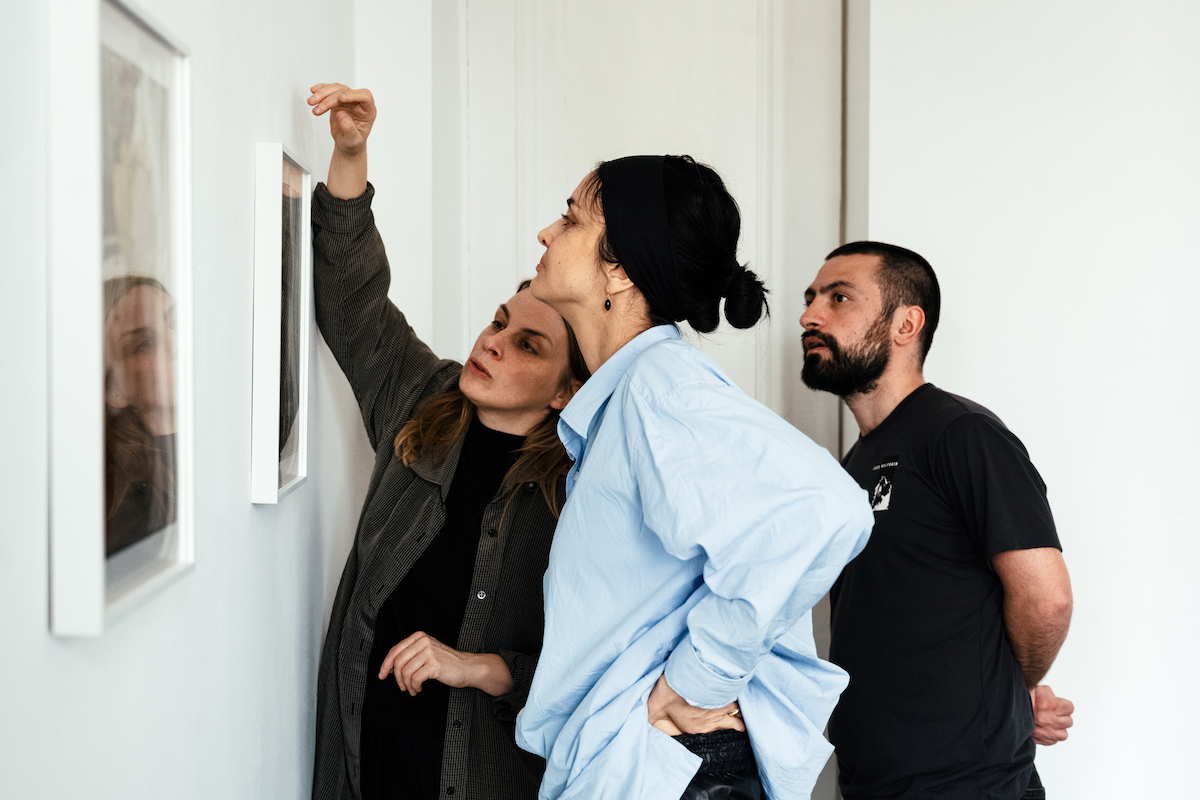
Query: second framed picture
[282, 323]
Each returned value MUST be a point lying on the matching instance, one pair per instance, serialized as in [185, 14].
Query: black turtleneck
[433, 596]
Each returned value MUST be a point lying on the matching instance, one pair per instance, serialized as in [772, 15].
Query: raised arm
[352, 114]
[388, 367]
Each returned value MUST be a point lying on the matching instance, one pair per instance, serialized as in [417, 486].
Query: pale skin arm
[421, 657]
[1037, 614]
[670, 713]
[353, 114]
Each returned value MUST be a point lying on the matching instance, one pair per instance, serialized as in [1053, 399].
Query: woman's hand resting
[421, 657]
[670, 713]
[352, 114]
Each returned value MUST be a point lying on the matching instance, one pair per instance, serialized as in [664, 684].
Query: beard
[851, 371]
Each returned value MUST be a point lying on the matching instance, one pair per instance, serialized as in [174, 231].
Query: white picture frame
[283, 319]
[92, 582]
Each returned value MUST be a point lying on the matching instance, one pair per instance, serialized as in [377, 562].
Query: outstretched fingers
[326, 96]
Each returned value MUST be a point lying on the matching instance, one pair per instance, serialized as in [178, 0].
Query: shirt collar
[591, 397]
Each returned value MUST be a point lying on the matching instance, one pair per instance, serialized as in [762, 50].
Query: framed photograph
[121, 510]
[283, 316]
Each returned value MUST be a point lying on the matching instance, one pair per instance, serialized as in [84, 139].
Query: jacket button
[529, 487]
[493, 533]
[449, 790]
[458, 723]
[482, 594]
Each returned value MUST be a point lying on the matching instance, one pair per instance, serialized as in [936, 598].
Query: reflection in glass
[289, 361]
[139, 400]
[139, 331]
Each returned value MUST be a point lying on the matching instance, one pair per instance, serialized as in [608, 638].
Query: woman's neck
[518, 423]
[602, 333]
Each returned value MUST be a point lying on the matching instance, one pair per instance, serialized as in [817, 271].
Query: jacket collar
[576, 419]
[441, 471]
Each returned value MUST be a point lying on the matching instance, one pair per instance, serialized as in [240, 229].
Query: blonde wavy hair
[443, 418]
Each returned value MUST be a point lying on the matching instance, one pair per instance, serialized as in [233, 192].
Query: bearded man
[954, 612]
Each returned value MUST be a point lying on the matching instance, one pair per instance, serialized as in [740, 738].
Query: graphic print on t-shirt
[881, 495]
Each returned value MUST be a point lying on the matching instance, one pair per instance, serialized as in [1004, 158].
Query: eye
[566, 219]
[528, 347]
[839, 298]
[497, 325]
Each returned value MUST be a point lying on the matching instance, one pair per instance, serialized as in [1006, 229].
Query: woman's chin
[537, 284]
[466, 382]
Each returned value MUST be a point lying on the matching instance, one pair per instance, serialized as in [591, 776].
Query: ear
[616, 281]
[910, 321]
[560, 400]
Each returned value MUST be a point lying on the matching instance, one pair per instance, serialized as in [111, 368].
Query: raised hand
[353, 114]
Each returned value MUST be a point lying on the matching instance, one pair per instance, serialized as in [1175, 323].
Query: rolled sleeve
[698, 683]
[521, 666]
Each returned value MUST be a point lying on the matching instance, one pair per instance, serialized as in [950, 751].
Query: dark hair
[442, 418]
[905, 279]
[704, 223]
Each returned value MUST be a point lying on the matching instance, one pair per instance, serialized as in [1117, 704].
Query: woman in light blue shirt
[700, 528]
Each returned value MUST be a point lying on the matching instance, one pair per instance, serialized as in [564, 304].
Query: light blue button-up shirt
[699, 530]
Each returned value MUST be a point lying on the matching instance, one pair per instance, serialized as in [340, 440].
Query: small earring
[607, 304]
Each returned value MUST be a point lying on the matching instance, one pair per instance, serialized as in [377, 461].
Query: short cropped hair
[905, 279]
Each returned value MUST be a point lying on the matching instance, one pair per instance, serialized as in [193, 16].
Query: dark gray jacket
[391, 371]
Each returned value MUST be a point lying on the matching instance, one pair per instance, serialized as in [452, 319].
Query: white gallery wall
[206, 691]
[1044, 157]
[527, 95]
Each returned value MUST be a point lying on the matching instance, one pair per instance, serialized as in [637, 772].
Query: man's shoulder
[964, 406]
[935, 410]
[921, 425]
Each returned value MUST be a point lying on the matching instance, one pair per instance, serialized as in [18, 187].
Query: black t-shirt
[433, 596]
[937, 705]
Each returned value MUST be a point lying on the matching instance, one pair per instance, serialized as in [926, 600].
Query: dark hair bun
[745, 298]
[704, 314]
[704, 224]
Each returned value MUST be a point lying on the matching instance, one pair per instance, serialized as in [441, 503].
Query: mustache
[823, 338]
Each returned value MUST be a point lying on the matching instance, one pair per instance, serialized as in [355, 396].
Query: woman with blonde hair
[437, 623]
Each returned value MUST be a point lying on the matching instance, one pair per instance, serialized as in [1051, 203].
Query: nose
[493, 342]
[546, 235]
[808, 320]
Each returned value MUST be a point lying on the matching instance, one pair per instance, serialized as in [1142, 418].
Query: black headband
[635, 216]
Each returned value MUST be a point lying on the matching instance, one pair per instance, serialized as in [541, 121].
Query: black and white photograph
[282, 314]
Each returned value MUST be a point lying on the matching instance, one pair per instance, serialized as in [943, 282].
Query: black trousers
[1035, 790]
[728, 771]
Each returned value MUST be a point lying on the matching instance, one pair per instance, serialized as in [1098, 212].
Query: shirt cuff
[338, 215]
[520, 667]
[696, 682]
